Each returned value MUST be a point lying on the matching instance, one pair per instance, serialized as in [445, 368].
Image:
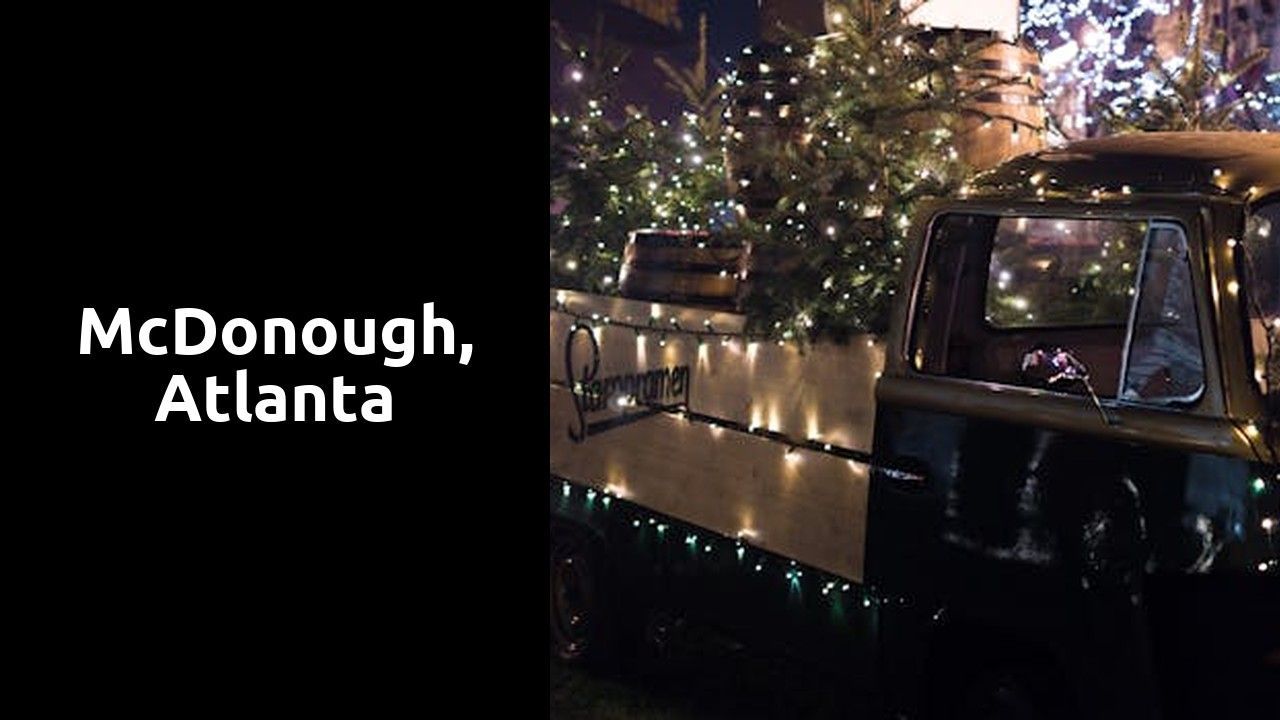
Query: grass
[700, 678]
[581, 693]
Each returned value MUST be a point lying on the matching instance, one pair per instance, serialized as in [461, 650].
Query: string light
[1099, 51]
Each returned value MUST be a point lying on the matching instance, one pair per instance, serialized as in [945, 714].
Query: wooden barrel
[1004, 115]
[681, 267]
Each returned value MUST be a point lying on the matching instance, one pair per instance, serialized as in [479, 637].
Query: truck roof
[1239, 164]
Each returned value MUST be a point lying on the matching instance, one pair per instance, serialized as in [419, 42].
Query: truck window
[1061, 272]
[994, 288]
[1258, 268]
[1163, 362]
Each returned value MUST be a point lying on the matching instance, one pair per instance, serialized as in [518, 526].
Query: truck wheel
[971, 682]
[579, 607]
[1003, 693]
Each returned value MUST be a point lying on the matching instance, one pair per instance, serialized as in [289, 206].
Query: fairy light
[1090, 48]
[710, 543]
[1100, 51]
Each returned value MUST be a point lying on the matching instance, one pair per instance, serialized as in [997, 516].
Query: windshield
[1259, 270]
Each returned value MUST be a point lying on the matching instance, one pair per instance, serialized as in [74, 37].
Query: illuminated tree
[876, 102]
[1191, 96]
[1098, 57]
[608, 176]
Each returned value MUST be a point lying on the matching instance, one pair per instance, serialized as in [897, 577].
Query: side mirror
[1045, 366]
[1050, 366]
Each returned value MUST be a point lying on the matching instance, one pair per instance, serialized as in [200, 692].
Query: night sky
[731, 24]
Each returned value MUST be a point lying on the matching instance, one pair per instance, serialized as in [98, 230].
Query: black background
[297, 166]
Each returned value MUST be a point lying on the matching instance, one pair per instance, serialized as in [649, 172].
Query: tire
[977, 676]
[1005, 692]
[581, 627]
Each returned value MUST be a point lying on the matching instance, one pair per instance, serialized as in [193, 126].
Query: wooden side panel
[811, 508]
[804, 504]
[825, 392]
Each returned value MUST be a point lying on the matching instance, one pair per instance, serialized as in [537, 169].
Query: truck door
[1050, 434]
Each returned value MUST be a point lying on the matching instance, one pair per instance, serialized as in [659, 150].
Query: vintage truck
[1050, 489]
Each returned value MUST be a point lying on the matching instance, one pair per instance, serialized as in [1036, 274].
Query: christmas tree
[1191, 93]
[1103, 54]
[615, 169]
[872, 111]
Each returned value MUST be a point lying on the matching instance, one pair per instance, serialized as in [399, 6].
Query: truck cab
[1076, 431]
